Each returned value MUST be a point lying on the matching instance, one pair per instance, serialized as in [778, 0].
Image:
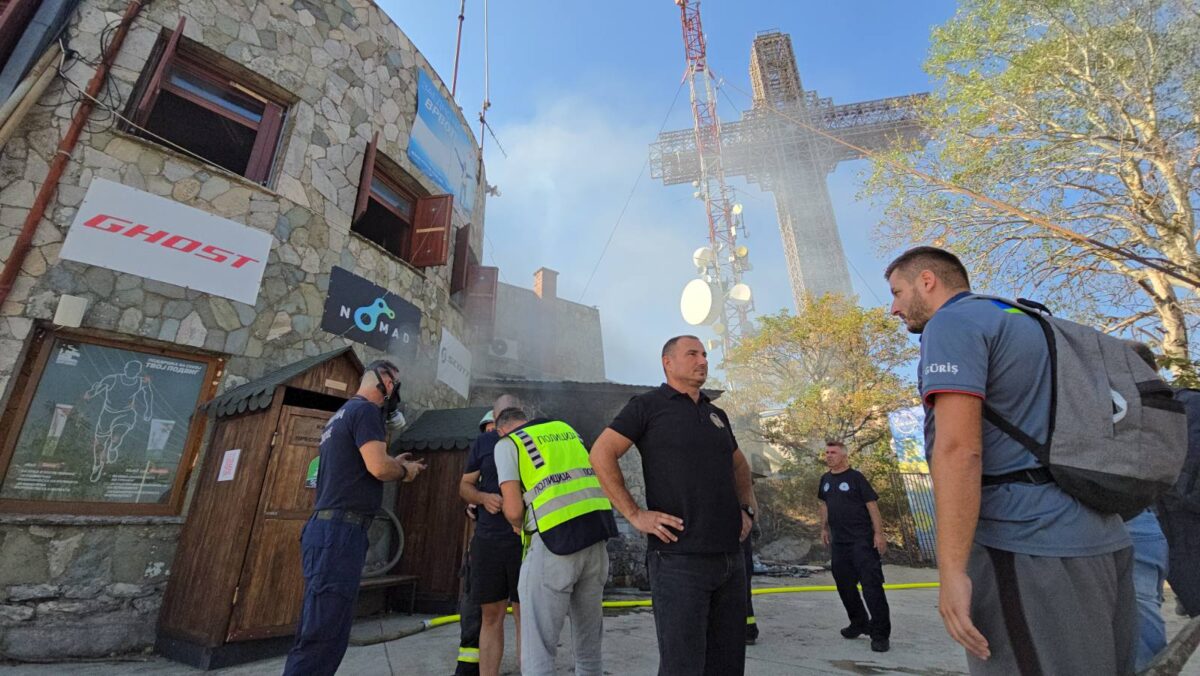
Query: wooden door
[270, 592]
[432, 517]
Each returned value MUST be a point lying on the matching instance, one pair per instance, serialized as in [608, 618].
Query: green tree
[829, 371]
[832, 370]
[1082, 112]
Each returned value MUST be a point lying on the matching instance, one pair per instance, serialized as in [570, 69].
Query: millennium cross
[768, 148]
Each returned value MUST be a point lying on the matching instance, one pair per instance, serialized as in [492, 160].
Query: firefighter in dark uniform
[352, 467]
[470, 614]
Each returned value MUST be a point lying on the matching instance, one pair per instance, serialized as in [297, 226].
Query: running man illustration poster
[105, 425]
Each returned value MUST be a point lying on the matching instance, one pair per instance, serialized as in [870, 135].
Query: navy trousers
[333, 554]
[855, 562]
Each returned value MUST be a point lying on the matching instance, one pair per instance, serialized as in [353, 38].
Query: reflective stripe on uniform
[468, 655]
[531, 448]
[750, 620]
[556, 479]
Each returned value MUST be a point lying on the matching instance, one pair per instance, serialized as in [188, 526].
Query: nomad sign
[125, 229]
[368, 314]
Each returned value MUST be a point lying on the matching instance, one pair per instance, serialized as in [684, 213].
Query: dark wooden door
[432, 517]
[271, 589]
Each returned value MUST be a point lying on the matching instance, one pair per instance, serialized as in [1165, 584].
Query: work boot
[853, 631]
[751, 634]
[880, 645]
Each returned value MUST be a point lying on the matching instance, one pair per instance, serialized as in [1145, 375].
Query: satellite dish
[737, 209]
[700, 303]
[741, 251]
[718, 328]
[740, 293]
[703, 257]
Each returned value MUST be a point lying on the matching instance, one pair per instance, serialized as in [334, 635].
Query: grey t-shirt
[507, 469]
[993, 351]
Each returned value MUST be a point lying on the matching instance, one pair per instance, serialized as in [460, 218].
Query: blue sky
[578, 92]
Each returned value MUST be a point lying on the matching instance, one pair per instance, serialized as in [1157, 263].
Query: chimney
[545, 283]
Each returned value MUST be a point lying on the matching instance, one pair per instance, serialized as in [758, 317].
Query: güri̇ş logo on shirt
[941, 367]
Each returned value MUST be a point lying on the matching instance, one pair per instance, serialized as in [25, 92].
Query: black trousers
[469, 623]
[854, 563]
[699, 613]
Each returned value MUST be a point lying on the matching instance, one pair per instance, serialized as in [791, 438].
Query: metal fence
[915, 508]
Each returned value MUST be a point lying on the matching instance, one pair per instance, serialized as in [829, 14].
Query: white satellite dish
[700, 303]
[718, 328]
[740, 293]
[702, 257]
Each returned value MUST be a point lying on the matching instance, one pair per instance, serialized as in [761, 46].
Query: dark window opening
[213, 137]
[384, 227]
[188, 102]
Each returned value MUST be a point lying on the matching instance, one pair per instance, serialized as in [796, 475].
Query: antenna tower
[723, 269]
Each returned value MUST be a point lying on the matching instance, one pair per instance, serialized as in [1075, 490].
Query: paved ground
[799, 636]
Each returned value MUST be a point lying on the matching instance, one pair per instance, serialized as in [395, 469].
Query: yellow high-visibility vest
[556, 476]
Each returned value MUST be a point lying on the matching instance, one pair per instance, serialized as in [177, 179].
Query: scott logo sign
[127, 228]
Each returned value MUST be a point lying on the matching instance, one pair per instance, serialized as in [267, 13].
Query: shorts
[495, 569]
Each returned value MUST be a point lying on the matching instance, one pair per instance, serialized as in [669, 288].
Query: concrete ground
[799, 636]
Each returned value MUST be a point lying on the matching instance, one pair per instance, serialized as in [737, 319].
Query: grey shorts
[1044, 615]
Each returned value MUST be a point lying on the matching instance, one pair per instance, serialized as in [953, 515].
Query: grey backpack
[1117, 436]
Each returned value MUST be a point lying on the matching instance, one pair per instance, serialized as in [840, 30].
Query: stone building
[541, 336]
[304, 152]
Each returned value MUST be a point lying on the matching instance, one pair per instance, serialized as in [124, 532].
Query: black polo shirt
[687, 460]
[846, 495]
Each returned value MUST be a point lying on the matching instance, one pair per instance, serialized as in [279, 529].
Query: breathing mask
[393, 406]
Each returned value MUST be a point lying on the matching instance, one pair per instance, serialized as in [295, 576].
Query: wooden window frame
[267, 130]
[12, 420]
[429, 224]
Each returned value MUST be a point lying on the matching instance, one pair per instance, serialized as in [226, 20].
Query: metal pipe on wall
[61, 156]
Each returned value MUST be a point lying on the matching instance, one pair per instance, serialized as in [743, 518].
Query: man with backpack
[1032, 580]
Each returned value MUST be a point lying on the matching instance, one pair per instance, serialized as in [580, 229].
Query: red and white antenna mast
[722, 267]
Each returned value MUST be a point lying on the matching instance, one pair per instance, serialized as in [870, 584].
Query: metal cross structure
[723, 269]
[770, 147]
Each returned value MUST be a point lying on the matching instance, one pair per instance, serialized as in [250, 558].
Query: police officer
[853, 529]
[353, 465]
[551, 494]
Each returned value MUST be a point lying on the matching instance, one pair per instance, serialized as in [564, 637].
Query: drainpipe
[63, 155]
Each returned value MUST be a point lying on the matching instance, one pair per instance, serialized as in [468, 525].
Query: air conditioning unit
[503, 348]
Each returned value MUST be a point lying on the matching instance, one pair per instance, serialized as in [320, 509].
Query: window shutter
[460, 273]
[481, 298]
[365, 177]
[431, 231]
[150, 95]
[263, 154]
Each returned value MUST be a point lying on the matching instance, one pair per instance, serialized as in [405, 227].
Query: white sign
[124, 229]
[454, 364]
[229, 465]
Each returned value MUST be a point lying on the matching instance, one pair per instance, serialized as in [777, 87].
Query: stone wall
[81, 586]
[351, 72]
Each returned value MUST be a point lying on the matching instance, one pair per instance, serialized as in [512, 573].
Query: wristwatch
[749, 511]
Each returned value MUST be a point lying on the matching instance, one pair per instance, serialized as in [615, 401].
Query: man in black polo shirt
[495, 564]
[850, 520]
[352, 468]
[699, 507]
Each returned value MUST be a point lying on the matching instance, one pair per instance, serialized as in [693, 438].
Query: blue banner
[908, 437]
[441, 149]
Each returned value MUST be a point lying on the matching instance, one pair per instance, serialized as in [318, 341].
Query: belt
[344, 516]
[1037, 476]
